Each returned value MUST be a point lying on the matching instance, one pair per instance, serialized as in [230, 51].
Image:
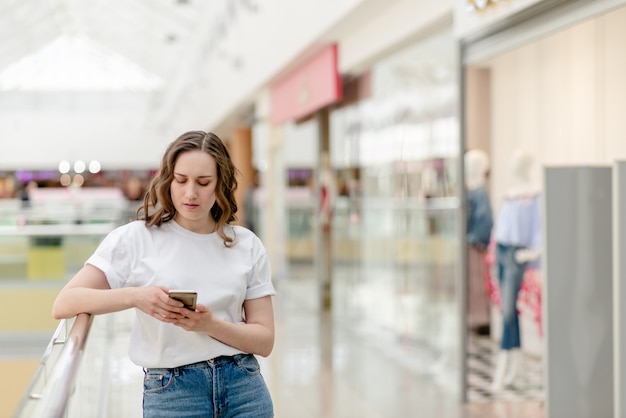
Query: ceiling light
[94, 167]
[64, 167]
[79, 166]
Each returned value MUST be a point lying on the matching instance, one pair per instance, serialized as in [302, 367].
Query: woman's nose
[191, 190]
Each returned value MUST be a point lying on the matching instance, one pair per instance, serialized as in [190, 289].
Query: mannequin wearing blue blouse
[518, 237]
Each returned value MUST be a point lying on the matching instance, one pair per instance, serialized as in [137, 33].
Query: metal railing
[51, 386]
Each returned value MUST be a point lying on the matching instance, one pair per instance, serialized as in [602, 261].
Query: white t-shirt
[172, 256]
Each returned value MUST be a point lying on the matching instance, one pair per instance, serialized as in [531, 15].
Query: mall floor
[321, 367]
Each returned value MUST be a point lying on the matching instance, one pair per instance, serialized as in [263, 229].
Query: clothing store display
[519, 221]
[479, 225]
[477, 294]
[510, 276]
[479, 217]
[518, 238]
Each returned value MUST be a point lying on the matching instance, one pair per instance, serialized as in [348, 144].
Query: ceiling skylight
[76, 63]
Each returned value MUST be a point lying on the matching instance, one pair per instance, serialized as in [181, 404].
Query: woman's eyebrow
[199, 177]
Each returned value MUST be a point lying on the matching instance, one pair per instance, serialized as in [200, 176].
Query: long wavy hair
[158, 206]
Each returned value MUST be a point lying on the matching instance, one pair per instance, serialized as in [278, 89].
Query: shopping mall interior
[370, 138]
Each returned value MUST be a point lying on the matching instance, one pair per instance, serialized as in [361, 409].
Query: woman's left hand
[254, 336]
[198, 320]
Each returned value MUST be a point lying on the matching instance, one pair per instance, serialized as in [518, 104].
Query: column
[578, 301]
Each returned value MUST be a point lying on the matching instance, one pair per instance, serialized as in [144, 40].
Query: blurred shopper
[200, 362]
[26, 193]
[517, 236]
[479, 225]
[133, 190]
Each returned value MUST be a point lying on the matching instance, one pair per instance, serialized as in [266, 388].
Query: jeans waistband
[204, 364]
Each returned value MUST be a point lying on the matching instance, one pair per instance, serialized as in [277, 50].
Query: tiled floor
[482, 354]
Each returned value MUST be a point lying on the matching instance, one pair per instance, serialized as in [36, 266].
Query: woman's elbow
[266, 349]
[58, 314]
[59, 311]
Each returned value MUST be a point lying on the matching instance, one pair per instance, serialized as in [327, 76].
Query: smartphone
[188, 297]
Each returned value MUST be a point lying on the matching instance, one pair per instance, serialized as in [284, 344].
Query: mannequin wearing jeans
[517, 235]
[479, 225]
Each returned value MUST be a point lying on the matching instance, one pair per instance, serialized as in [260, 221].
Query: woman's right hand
[89, 292]
[155, 301]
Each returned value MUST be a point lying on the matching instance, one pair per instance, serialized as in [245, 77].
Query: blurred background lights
[79, 166]
[94, 167]
[78, 180]
[65, 180]
[64, 167]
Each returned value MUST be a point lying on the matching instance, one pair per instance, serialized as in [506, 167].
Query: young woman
[201, 362]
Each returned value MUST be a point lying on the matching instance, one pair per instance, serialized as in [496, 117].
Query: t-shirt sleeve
[113, 257]
[260, 279]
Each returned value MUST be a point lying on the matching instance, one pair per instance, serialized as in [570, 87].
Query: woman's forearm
[249, 338]
[74, 300]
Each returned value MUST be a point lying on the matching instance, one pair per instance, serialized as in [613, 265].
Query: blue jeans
[225, 387]
[510, 276]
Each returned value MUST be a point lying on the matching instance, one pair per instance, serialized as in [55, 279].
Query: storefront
[394, 155]
[374, 172]
[547, 77]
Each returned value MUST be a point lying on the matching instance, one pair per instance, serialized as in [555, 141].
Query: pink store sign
[313, 85]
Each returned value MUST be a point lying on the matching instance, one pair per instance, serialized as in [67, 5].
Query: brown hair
[158, 207]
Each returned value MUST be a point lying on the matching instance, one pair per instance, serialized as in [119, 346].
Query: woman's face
[193, 190]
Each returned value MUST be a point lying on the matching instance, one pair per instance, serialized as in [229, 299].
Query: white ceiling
[155, 48]
[115, 72]
[164, 66]
[153, 34]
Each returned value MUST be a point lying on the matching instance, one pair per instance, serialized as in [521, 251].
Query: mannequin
[479, 225]
[518, 237]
